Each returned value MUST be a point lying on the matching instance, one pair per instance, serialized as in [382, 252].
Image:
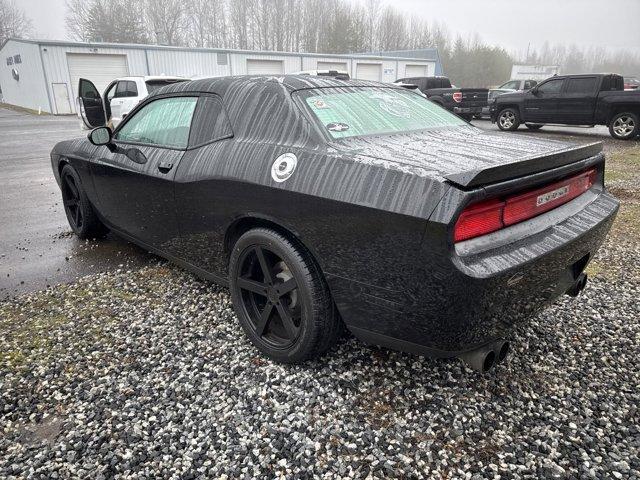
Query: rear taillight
[457, 97]
[479, 219]
[488, 216]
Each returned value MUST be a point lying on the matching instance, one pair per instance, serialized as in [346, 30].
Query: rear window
[350, 112]
[582, 85]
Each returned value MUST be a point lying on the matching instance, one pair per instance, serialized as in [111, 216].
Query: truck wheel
[624, 126]
[281, 298]
[508, 120]
[533, 126]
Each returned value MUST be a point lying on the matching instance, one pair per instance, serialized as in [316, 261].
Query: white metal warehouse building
[42, 74]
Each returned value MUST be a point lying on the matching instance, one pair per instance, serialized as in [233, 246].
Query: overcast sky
[510, 23]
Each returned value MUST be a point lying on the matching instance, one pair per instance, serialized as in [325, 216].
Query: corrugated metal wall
[35, 87]
[188, 64]
[30, 90]
[54, 58]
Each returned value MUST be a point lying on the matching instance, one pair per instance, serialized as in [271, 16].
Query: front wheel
[508, 120]
[80, 214]
[624, 126]
[281, 297]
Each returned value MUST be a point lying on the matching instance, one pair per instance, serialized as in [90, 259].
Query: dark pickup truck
[466, 102]
[584, 100]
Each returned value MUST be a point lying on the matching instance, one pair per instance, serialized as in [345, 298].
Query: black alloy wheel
[281, 297]
[269, 296]
[71, 200]
[80, 213]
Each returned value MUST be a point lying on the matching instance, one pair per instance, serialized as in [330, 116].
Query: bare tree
[325, 26]
[105, 21]
[13, 21]
[392, 34]
[207, 23]
[167, 21]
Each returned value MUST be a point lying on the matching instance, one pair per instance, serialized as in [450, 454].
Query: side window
[121, 89]
[164, 122]
[581, 85]
[210, 122]
[132, 89]
[529, 84]
[111, 92]
[552, 86]
[88, 90]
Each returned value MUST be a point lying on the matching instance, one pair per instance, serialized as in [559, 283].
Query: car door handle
[165, 167]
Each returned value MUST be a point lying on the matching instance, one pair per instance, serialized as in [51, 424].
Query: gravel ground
[146, 374]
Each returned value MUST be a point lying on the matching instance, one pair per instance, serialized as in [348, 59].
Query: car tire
[81, 216]
[624, 126]
[467, 117]
[508, 120]
[534, 126]
[281, 298]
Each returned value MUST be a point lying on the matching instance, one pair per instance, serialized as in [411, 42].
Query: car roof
[147, 78]
[289, 82]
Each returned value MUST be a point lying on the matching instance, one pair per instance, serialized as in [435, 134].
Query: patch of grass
[28, 336]
[627, 224]
[623, 165]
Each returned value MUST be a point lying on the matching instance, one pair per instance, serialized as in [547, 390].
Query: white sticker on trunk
[552, 195]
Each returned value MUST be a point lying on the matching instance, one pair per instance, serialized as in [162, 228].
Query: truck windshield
[153, 85]
[353, 111]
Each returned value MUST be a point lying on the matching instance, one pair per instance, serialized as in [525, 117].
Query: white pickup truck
[120, 96]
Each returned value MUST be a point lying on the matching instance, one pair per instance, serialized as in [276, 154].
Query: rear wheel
[624, 126]
[281, 298]
[80, 214]
[508, 119]
[534, 126]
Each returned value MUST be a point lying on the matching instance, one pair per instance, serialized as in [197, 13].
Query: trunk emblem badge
[283, 167]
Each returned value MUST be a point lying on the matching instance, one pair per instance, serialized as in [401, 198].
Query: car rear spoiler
[523, 167]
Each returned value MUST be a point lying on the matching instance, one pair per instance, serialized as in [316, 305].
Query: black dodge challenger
[325, 203]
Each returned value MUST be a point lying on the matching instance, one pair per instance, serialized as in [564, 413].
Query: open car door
[91, 105]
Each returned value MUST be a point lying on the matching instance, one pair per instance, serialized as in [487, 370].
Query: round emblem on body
[283, 167]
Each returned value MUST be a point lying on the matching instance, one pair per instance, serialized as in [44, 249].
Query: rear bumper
[476, 295]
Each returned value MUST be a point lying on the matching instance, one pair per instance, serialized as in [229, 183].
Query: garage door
[100, 69]
[338, 66]
[369, 71]
[265, 67]
[415, 71]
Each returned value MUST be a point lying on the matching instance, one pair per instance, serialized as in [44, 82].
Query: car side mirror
[100, 136]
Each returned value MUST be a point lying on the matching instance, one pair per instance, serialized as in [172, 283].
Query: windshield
[352, 111]
[153, 85]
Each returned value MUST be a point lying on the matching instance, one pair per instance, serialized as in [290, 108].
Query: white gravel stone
[146, 374]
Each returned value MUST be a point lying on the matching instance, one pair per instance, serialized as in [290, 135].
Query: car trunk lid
[465, 156]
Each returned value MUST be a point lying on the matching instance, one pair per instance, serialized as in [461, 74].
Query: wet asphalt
[37, 248]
